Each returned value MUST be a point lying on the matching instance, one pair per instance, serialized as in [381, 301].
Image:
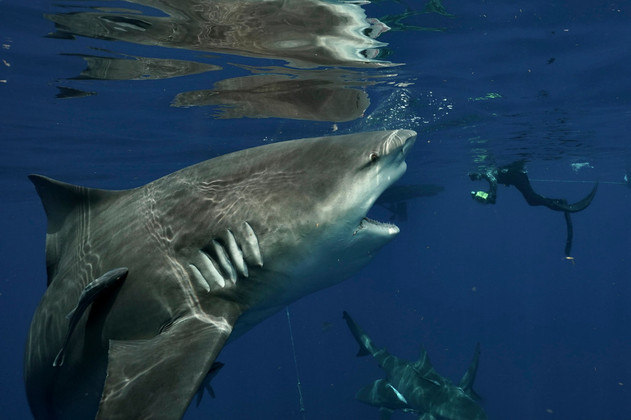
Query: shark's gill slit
[235, 254]
[208, 269]
[250, 246]
[197, 275]
[224, 261]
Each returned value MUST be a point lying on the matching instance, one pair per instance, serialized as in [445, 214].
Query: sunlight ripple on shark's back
[162, 275]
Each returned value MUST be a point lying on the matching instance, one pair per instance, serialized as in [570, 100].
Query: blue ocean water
[483, 83]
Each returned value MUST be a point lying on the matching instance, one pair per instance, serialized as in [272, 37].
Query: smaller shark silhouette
[415, 387]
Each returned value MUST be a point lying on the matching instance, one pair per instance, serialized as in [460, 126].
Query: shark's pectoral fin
[157, 378]
[93, 291]
[381, 393]
[427, 416]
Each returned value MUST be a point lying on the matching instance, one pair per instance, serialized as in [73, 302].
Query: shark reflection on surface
[306, 33]
[126, 67]
[416, 387]
[314, 95]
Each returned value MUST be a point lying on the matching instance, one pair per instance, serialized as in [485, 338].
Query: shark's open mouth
[393, 151]
[367, 222]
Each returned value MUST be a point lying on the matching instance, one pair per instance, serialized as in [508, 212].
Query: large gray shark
[415, 386]
[167, 272]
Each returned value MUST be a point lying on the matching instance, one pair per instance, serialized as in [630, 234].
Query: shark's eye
[374, 157]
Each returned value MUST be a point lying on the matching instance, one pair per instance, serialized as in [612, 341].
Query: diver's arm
[482, 196]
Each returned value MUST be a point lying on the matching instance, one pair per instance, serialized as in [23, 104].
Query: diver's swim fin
[579, 205]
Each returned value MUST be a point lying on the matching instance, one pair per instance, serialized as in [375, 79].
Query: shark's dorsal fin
[466, 383]
[423, 365]
[60, 199]
[366, 346]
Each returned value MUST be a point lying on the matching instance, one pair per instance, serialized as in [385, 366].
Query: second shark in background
[415, 387]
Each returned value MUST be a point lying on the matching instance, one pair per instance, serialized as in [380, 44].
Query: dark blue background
[555, 335]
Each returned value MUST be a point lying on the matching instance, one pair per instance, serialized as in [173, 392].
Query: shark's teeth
[365, 222]
[377, 222]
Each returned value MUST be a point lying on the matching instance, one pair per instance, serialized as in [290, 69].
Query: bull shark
[147, 285]
[415, 386]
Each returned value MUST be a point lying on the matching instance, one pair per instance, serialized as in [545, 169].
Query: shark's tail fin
[59, 200]
[466, 383]
[366, 346]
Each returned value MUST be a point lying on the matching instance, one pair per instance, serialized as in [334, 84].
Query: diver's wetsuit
[515, 174]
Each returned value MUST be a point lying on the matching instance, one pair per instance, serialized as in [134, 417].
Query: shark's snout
[400, 140]
[394, 148]
[409, 142]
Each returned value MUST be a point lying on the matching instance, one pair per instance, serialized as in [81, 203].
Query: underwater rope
[579, 182]
[293, 350]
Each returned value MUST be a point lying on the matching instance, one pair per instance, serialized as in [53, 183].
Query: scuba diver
[515, 174]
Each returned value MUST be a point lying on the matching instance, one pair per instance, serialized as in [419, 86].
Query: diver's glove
[480, 196]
